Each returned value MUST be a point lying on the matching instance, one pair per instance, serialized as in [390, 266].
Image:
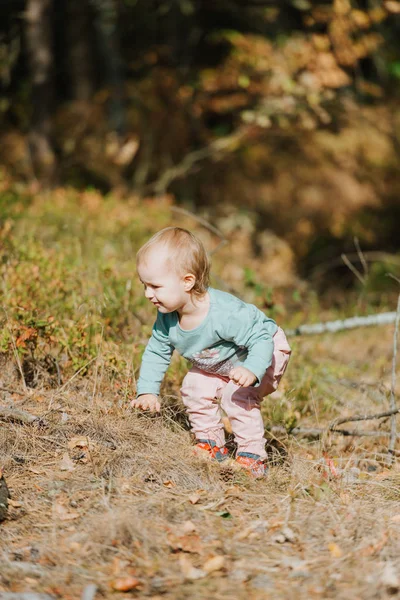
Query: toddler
[238, 355]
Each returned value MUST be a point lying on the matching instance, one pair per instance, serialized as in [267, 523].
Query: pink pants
[204, 393]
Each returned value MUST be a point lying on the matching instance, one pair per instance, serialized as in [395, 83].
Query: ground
[103, 495]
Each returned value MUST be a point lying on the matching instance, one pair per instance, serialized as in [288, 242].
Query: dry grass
[100, 493]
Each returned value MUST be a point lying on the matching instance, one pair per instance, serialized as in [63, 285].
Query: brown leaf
[125, 584]
[28, 334]
[194, 498]
[189, 571]
[373, 549]
[187, 543]
[216, 563]
[395, 518]
[188, 527]
[81, 441]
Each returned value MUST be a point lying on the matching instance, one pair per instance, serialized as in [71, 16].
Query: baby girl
[238, 355]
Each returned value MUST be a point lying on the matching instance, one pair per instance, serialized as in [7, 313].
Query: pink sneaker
[219, 454]
[253, 463]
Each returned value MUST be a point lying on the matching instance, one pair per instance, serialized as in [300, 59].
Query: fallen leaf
[189, 571]
[227, 425]
[187, 543]
[373, 549]
[66, 464]
[188, 527]
[169, 484]
[80, 442]
[216, 563]
[395, 518]
[125, 584]
[194, 498]
[14, 503]
[285, 535]
[335, 551]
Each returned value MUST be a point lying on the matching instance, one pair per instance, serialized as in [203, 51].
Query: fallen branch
[342, 324]
[20, 416]
[382, 415]
[316, 432]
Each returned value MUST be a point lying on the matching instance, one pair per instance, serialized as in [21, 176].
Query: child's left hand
[242, 376]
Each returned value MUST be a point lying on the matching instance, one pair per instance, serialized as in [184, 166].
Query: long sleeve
[155, 360]
[249, 328]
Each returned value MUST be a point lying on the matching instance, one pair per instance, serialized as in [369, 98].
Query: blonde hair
[185, 252]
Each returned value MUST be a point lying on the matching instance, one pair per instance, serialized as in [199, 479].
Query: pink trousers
[205, 393]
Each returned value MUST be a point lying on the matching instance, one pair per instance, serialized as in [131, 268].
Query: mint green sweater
[233, 333]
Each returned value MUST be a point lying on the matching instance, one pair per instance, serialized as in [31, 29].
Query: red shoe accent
[252, 463]
[215, 452]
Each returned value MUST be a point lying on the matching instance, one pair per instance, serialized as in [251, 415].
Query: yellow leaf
[335, 551]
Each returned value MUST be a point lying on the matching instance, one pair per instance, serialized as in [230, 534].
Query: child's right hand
[147, 402]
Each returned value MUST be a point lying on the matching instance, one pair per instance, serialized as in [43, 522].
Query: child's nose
[148, 292]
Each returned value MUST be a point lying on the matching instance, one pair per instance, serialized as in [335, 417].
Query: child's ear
[188, 281]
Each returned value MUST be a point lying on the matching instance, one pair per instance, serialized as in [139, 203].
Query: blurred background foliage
[278, 121]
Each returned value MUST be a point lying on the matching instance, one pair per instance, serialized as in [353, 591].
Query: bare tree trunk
[40, 50]
[107, 30]
[80, 58]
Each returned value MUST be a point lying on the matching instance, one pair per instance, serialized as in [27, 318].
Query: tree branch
[342, 324]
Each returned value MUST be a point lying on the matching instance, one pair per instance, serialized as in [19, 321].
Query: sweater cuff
[147, 387]
[257, 367]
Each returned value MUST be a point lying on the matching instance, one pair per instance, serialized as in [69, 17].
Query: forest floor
[102, 495]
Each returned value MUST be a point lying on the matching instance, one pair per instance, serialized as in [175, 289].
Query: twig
[217, 147]
[14, 414]
[342, 324]
[205, 224]
[352, 268]
[368, 256]
[316, 432]
[10, 391]
[199, 219]
[337, 422]
[361, 256]
[393, 436]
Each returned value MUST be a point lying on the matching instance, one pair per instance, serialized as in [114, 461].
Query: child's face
[167, 290]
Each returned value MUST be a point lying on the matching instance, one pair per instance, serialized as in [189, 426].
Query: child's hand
[147, 402]
[242, 376]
